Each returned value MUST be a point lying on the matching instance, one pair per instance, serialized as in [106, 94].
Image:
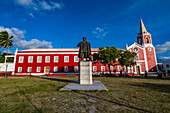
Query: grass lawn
[124, 95]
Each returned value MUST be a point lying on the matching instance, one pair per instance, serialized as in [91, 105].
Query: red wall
[60, 64]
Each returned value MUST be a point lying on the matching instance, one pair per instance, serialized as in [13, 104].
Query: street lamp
[6, 71]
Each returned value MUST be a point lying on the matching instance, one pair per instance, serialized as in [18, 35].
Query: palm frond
[11, 37]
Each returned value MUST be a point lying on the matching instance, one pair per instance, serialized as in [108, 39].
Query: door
[138, 70]
[47, 70]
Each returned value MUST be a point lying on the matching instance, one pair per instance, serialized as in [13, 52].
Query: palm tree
[5, 40]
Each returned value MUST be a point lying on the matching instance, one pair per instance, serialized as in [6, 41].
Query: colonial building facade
[64, 62]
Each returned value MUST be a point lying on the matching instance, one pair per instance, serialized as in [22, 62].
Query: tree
[126, 58]
[5, 40]
[107, 56]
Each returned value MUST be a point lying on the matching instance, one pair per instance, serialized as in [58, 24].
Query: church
[64, 62]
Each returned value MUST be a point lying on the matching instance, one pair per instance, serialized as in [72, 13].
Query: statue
[85, 49]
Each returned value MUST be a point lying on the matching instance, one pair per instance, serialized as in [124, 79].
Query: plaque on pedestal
[85, 72]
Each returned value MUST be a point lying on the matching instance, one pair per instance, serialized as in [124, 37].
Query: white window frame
[38, 69]
[102, 67]
[111, 68]
[76, 57]
[75, 68]
[137, 57]
[55, 68]
[56, 58]
[46, 59]
[124, 69]
[94, 68]
[29, 59]
[66, 69]
[38, 59]
[28, 70]
[65, 58]
[19, 68]
[21, 59]
[119, 68]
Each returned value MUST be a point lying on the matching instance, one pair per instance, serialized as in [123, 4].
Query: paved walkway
[97, 85]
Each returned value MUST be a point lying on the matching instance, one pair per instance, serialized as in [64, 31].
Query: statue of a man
[85, 49]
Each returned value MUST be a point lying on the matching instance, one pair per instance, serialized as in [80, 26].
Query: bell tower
[145, 40]
[144, 37]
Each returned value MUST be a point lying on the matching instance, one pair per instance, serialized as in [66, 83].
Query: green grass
[124, 95]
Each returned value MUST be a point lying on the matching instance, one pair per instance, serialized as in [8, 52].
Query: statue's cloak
[88, 48]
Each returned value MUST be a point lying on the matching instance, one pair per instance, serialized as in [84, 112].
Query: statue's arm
[78, 44]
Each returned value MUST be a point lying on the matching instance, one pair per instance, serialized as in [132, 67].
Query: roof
[142, 28]
[66, 49]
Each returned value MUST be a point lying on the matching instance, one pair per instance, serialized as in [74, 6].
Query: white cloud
[9, 51]
[39, 5]
[34, 43]
[165, 59]
[31, 14]
[25, 2]
[19, 39]
[163, 48]
[99, 33]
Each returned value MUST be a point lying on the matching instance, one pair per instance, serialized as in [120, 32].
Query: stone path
[97, 85]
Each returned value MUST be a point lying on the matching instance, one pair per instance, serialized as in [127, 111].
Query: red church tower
[145, 51]
[144, 39]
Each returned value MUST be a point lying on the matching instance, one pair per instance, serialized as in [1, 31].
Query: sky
[63, 23]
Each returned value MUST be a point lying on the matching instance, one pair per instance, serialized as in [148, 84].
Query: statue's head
[84, 38]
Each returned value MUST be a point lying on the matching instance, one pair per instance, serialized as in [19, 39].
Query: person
[85, 49]
[146, 74]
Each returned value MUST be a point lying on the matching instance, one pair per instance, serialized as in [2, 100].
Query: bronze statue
[85, 49]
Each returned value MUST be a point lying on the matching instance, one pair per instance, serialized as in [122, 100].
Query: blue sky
[57, 23]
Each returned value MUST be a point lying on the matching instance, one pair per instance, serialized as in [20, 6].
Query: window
[21, 59]
[30, 59]
[111, 68]
[119, 68]
[147, 39]
[66, 58]
[168, 71]
[167, 65]
[47, 59]
[29, 69]
[76, 59]
[55, 69]
[149, 49]
[76, 68]
[55, 58]
[39, 59]
[124, 69]
[38, 69]
[94, 68]
[135, 49]
[66, 69]
[19, 69]
[137, 57]
[102, 68]
[130, 69]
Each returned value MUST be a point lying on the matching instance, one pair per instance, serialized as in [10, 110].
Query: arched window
[147, 39]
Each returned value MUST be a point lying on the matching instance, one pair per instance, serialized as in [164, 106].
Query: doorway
[47, 70]
[138, 70]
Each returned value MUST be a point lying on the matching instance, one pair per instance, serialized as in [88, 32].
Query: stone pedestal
[85, 72]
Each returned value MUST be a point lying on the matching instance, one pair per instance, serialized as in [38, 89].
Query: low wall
[6, 67]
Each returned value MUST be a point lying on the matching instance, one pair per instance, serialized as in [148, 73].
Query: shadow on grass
[55, 79]
[114, 102]
[39, 111]
[159, 87]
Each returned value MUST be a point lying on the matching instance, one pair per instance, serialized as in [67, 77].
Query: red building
[64, 62]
